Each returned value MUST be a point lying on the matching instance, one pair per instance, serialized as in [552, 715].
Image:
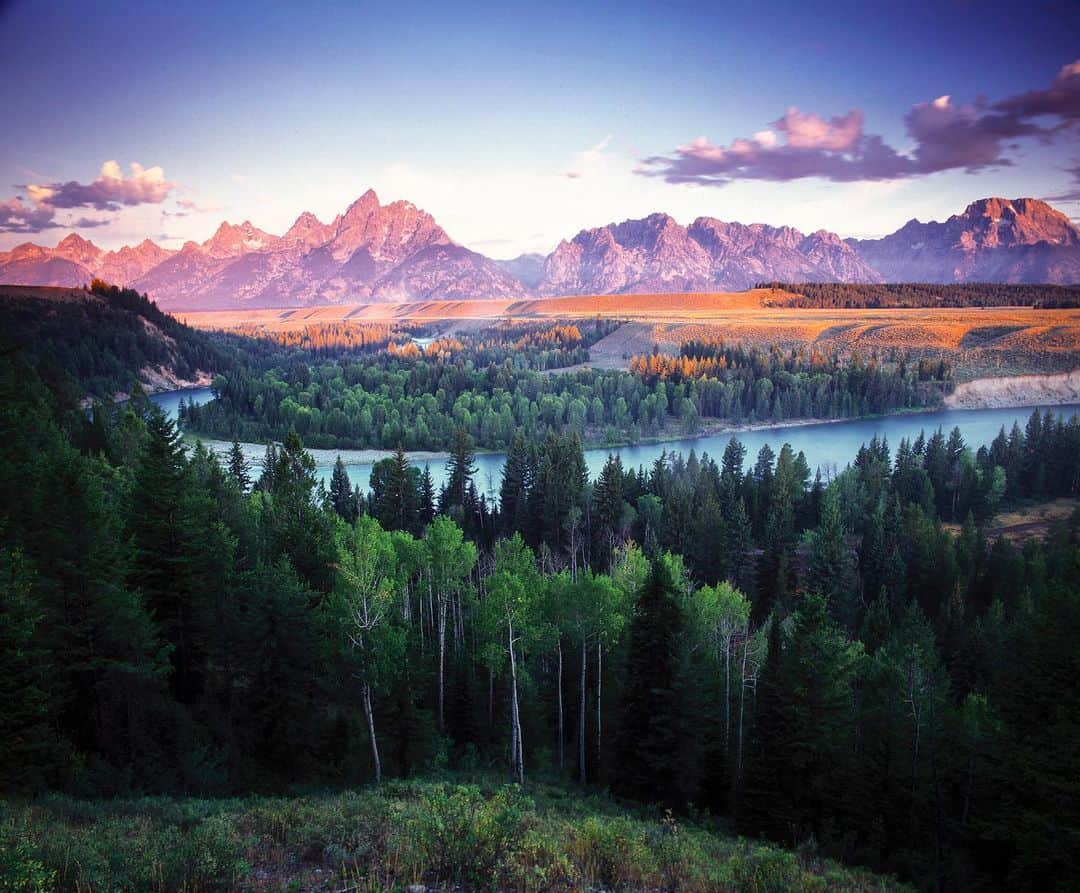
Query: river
[828, 445]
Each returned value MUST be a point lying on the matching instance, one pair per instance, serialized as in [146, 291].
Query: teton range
[398, 252]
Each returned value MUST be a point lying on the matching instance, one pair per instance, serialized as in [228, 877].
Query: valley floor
[978, 342]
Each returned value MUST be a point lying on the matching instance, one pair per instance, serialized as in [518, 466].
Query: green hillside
[442, 835]
[103, 339]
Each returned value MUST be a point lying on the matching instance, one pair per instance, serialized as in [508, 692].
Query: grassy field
[1018, 524]
[979, 342]
[441, 835]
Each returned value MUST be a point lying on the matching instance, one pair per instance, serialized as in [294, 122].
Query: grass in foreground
[441, 835]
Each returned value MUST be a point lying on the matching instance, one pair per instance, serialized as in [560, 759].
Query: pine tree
[25, 671]
[427, 497]
[395, 493]
[341, 494]
[459, 472]
[831, 570]
[648, 741]
[766, 771]
[819, 672]
[609, 511]
[239, 468]
[515, 488]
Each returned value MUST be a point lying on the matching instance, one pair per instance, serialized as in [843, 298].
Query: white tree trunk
[369, 714]
[742, 706]
[599, 681]
[442, 665]
[517, 763]
[727, 697]
[581, 718]
[560, 705]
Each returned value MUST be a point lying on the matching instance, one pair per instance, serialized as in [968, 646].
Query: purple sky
[517, 127]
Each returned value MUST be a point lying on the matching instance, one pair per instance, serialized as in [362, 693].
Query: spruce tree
[831, 570]
[395, 493]
[341, 493]
[648, 740]
[514, 490]
[239, 468]
[427, 497]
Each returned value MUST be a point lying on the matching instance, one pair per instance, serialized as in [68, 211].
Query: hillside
[424, 834]
[100, 338]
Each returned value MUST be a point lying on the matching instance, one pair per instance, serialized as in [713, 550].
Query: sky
[518, 125]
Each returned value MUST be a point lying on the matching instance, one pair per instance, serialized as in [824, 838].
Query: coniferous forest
[406, 488]
[854, 667]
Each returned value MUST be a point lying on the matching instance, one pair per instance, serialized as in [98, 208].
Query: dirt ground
[1030, 521]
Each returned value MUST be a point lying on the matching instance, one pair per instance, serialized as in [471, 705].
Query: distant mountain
[994, 240]
[372, 252]
[397, 252]
[528, 269]
[657, 255]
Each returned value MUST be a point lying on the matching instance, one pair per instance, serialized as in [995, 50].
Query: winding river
[827, 445]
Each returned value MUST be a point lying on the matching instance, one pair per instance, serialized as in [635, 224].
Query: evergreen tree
[239, 468]
[25, 674]
[427, 498]
[341, 493]
[515, 488]
[649, 733]
[767, 771]
[831, 570]
[395, 493]
[459, 472]
[609, 511]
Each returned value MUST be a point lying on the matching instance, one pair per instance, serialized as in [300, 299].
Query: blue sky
[516, 125]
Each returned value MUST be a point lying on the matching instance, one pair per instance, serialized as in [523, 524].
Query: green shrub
[21, 867]
[610, 852]
[457, 834]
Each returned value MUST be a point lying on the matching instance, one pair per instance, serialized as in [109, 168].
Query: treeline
[103, 341]
[822, 661]
[331, 338]
[536, 346]
[387, 400]
[852, 295]
[775, 384]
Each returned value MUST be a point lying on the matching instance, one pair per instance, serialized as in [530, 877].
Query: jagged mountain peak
[399, 252]
[362, 207]
[230, 240]
[994, 239]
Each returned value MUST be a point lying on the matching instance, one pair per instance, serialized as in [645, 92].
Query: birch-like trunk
[560, 705]
[442, 665]
[727, 697]
[518, 759]
[370, 716]
[599, 681]
[581, 716]
[742, 707]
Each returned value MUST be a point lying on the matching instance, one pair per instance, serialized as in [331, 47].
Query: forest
[853, 295]
[821, 663]
[103, 341]
[490, 384]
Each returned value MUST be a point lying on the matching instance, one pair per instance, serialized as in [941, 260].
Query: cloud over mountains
[109, 192]
[945, 136]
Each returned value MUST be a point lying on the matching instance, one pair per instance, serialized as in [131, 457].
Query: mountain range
[397, 252]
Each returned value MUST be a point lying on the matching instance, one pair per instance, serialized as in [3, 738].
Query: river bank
[1016, 390]
[254, 452]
